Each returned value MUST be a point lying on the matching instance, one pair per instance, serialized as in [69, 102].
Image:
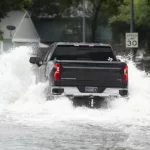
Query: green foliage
[96, 10]
[121, 21]
[141, 12]
[52, 7]
[102, 10]
[8, 5]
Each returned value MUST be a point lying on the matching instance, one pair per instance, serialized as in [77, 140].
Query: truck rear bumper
[74, 92]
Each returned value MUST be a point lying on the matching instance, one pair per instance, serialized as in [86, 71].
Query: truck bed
[98, 74]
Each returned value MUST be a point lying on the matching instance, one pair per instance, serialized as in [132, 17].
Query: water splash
[25, 102]
[15, 74]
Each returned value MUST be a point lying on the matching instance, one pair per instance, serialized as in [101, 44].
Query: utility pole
[134, 50]
[131, 16]
[83, 24]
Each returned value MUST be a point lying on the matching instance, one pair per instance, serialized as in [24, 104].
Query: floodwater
[29, 122]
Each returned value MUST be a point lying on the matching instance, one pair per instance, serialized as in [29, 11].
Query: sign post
[132, 40]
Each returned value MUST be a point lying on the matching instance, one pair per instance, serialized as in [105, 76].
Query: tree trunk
[94, 23]
[148, 47]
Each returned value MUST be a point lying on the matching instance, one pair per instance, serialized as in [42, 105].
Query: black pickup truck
[82, 70]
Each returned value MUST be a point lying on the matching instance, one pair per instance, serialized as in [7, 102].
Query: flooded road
[29, 122]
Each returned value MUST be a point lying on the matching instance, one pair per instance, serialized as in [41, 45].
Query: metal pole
[132, 16]
[1, 46]
[134, 50]
[83, 28]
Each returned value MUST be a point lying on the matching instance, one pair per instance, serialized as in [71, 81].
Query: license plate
[91, 89]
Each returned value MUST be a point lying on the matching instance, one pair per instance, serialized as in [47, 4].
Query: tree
[142, 12]
[59, 8]
[107, 8]
[8, 5]
[142, 19]
[53, 8]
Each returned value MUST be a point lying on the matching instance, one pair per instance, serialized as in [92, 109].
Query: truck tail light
[57, 72]
[125, 74]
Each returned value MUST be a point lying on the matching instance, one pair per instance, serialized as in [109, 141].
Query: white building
[24, 30]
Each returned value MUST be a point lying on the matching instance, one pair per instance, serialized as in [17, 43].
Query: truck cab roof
[82, 44]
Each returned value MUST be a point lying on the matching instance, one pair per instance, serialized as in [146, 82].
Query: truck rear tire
[123, 93]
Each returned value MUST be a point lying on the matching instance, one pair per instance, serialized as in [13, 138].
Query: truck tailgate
[91, 73]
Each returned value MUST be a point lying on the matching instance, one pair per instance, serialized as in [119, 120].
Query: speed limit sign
[132, 40]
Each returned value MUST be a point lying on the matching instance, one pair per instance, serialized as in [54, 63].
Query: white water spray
[22, 98]
[15, 74]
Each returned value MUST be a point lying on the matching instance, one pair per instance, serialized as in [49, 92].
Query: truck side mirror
[35, 60]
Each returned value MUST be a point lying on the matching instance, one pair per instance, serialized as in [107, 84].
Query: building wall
[33, 44]
[69, 30]
[7, 45]
[24, 34]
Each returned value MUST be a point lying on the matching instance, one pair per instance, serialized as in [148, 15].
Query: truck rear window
[95, 53]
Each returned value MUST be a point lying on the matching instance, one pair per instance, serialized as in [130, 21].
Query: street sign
[132, 40]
